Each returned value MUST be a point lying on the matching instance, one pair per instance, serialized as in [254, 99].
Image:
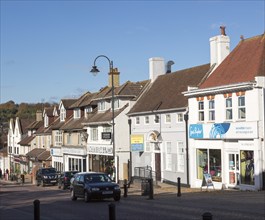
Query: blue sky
[48, 47]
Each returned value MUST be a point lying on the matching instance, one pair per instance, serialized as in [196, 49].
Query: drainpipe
[130, 164]
[186, 118]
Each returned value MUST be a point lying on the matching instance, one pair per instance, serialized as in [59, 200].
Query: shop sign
[242, 130]
[73, 150]
[56, 151]
[100, 150]
[105, 135]
[137, 143]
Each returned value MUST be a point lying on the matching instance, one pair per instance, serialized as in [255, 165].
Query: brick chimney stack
[116, 77]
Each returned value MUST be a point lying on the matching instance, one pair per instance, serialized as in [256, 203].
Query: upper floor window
[146, 119]
[241, 107]
[46, 121]
[137, 120]
[69, 138]
[201, 110]
[94, 134]
[157, 119]
[77, 113]
[167, 118]
[101, 106]
[62, 114]
[228, 109]
[211, 110]
[179, 117]
[58, 138]
[116, 103]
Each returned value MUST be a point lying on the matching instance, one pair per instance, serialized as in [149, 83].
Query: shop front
[101, 158]
[74, 159]
[229, 152]
[57, 158]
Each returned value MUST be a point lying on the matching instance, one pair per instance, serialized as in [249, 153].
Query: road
[16, 203]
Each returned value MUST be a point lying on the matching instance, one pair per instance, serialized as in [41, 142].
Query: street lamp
[95, 71]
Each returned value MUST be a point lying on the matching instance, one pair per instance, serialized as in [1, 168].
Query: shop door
[233, 170]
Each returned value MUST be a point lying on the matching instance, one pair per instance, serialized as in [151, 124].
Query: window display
[209, 161]
[247, 167]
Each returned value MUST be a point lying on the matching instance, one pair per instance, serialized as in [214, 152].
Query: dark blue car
[92, 185]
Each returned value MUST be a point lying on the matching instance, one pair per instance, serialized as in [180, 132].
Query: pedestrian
[7, 172]
[1, 173]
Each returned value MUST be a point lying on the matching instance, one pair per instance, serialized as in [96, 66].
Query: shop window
[209, 161]
[247, 167]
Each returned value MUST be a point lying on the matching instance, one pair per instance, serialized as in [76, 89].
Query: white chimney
[156, 67]
[219, 47]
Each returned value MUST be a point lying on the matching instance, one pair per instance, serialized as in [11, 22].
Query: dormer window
[77, 113]
[46, 121]
[62, 114]
[101, 106]
[116, 103]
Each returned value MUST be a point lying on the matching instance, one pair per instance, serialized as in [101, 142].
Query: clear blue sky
[48, 47]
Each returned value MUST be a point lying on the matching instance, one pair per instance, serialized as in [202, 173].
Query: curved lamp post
[95, 71]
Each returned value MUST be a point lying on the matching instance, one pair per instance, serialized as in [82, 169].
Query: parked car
[64, 179]
[94, 185]
[45, 176]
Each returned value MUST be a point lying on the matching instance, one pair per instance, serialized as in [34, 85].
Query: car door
[78, 185]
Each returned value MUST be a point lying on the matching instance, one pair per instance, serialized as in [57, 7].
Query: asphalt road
[16, 203]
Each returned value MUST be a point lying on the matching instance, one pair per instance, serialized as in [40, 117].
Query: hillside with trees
[12, 110]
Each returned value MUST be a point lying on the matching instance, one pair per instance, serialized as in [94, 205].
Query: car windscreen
[48, 171]
[97, 178]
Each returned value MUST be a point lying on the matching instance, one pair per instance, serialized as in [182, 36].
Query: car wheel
[87, 197]
[37, 183]
[42, 183]
[73, 197]
[117, 198]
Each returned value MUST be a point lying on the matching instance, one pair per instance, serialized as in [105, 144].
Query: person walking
[7, 173]
[1, 173]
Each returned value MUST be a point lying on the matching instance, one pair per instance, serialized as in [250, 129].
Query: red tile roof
[243, 64]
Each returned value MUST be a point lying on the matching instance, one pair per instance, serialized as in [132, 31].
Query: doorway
[233, 169]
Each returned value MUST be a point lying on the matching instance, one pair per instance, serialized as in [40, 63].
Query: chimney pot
[222, 29]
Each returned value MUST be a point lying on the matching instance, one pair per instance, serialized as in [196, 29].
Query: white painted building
[226, 121]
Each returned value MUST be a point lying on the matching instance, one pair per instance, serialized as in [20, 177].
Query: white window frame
[101, 105]
[201, 111]
[137, 120]
[167, 118]
[146, 120]
[77, 113]
[62, 114]
[181, 157]
[94, 133]
[241, 108]
[116, 103]
[58, 138]
[229, 108]
[168, 148]
[211, 106]
[180, 117]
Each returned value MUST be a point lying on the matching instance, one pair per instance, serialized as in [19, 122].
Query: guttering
[157, 111]
[97, 123]
[221, 89]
